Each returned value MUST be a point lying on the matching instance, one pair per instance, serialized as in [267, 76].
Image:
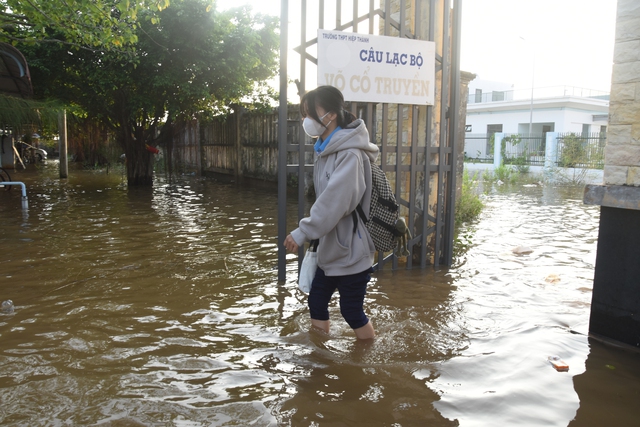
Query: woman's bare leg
[365, 332]
[323, 325]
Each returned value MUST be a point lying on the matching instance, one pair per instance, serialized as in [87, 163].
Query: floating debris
[521, 250]
[552, 278]
[7, 307]
[558, 363]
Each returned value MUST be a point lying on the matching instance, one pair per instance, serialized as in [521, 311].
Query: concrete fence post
[497, 152]
[550, 155]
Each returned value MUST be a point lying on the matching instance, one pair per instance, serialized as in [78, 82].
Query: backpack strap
[355, 217]
[392, 207]
[390, 228]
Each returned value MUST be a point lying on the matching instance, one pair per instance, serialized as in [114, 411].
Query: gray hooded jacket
[342, 179]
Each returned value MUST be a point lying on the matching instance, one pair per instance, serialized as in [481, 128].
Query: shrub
[469, 205]
[573, 152]
[505, 174]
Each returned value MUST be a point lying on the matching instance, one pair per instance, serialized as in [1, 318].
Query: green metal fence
[581, 150]
[523, 150]
[574, 150]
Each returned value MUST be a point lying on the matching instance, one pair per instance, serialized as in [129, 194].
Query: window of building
[491, 129]
[497, 96]
[478, 96]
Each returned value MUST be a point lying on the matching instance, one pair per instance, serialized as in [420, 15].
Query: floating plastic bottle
[7, 307]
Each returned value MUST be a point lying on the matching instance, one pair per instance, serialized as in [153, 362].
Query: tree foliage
[193, 61]
[92, 24]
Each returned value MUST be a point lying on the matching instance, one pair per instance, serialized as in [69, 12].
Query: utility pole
[62, 144]
[533, 73]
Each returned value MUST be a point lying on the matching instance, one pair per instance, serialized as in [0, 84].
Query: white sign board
[370, 68]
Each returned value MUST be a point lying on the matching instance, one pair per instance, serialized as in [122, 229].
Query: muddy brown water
[161, 307]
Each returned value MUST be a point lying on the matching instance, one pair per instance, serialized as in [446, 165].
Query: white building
[497, 108]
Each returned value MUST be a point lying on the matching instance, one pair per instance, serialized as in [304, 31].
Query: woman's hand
[290, 244]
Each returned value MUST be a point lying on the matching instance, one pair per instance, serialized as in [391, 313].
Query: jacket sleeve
[342, 194]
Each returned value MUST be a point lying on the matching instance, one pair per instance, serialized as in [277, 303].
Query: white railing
[538, 93]
[25, 203]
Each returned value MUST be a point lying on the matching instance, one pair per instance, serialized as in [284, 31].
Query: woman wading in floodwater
[342, 179]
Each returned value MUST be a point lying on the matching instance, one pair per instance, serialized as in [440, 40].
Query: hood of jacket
[355, 135]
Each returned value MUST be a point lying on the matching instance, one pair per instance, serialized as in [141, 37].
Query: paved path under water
[161, 307]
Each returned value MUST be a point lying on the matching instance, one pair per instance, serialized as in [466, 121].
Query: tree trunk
[131, 136]
[139, 161]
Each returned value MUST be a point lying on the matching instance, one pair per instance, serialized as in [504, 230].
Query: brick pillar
[615, 307]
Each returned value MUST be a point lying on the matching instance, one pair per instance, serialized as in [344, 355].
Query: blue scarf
[320, 145]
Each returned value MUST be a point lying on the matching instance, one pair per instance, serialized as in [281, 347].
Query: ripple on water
[162, 307]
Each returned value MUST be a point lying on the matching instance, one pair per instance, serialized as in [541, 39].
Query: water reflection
[162, 307]
[609, 388]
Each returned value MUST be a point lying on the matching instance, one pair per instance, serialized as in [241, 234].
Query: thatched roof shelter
[17, 109]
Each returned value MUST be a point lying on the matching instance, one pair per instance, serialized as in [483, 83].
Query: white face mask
[313, 128]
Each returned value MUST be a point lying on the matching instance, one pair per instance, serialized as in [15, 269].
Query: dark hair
[330, 99]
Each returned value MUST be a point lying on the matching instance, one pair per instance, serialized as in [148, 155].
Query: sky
[523, 42]
[563, 42]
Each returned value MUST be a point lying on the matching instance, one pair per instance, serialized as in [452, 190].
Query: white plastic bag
[308, 267]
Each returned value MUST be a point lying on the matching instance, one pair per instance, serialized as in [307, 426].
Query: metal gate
[417, 144]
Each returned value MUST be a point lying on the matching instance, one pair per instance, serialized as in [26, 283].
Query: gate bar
[282, 142]
[445, 112]
[453, 132]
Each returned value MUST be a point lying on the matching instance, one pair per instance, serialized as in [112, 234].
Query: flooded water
[161, 307]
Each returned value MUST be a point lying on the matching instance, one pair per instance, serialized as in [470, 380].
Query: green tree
[92, 24]
[194, 61]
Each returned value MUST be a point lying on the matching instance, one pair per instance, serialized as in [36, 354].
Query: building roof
[14, 73]
[564, 102]
[556, 97]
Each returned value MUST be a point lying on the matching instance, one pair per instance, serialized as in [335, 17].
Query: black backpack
[383, 212]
